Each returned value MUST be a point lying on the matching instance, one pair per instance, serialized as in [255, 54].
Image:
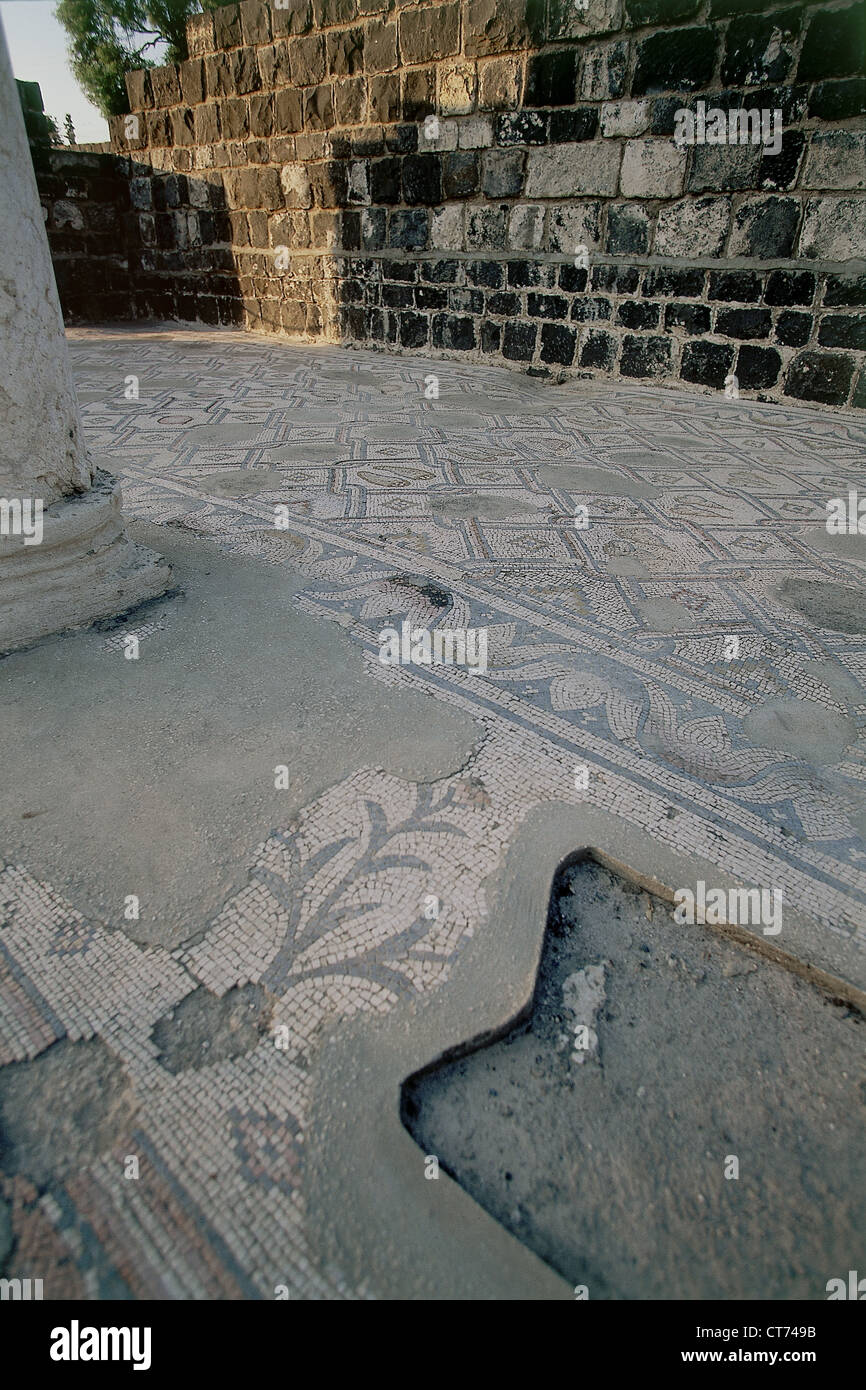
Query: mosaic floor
[609, 649]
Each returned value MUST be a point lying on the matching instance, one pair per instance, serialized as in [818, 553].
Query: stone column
[65, 558]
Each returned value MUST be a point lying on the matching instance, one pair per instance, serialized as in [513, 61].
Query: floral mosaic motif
[353, 889]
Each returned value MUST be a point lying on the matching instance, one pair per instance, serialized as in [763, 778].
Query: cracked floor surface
[360, 886]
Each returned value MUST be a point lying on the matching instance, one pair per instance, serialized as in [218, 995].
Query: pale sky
[37, 44]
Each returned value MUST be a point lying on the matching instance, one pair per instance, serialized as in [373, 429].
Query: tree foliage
[110, 37]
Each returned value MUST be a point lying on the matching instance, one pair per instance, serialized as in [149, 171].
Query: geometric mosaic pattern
[606, 649]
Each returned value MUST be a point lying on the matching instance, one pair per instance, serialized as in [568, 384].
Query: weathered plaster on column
[41, 453]
[83, 566]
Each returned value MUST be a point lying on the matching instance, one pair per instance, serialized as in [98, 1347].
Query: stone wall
[36, 124]
[286, 177]
[92, 231]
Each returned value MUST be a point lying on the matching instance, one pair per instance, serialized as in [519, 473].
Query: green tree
[110, 37]
[70, 129]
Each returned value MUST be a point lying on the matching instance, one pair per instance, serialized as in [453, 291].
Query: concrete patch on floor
[203, 1029]
[661, 614]
[802, 728]
[180, 785]
[593, 482]
[242, 482]
[64, 1108]
[835, 606]
[848, 549]
[718, 1147]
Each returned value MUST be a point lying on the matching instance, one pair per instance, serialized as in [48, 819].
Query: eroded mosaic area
[609, 654]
